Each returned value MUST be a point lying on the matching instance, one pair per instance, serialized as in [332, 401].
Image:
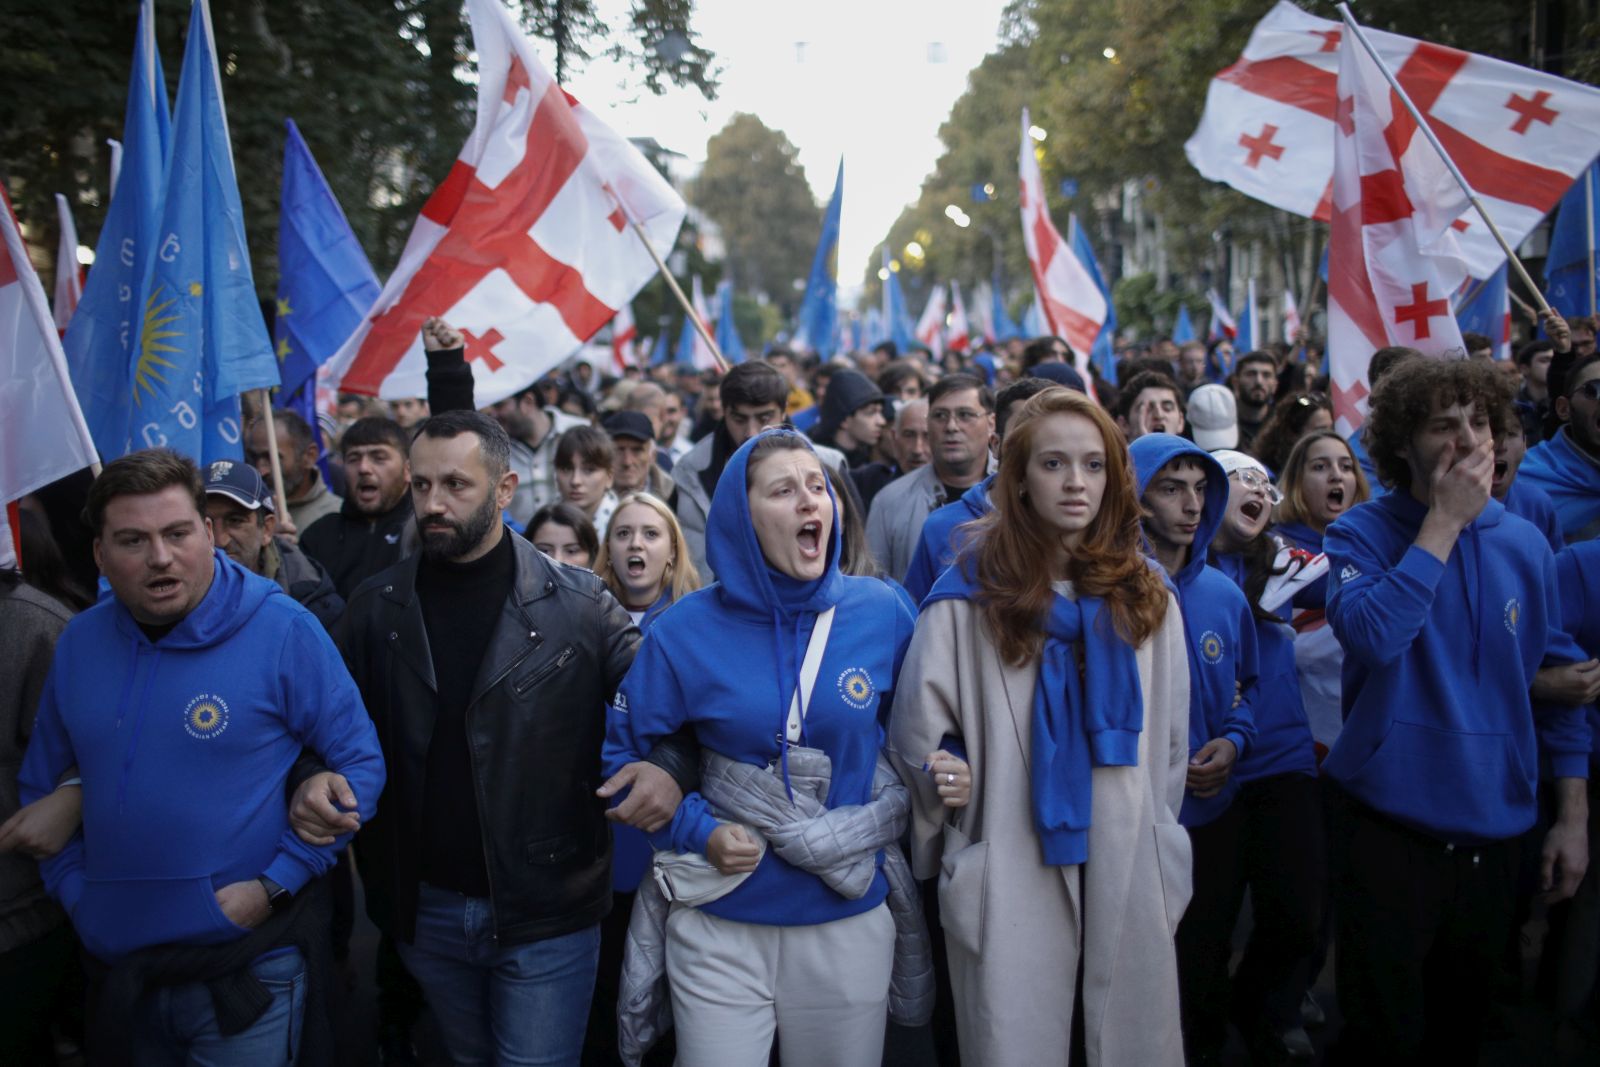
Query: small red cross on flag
[1530, 110]
[1421, 311]
[1260, 145]
[527, 245]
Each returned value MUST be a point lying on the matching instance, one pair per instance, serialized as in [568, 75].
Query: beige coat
[1015, 927]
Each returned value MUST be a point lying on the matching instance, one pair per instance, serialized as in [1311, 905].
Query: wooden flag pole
[1525, 307]
[280, 498]
[1455, 172]
[677, 291]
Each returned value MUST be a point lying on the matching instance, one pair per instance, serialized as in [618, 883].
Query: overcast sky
[871, 80]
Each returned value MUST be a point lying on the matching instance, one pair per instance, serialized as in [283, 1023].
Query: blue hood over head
[746, 580]
[1154, 451]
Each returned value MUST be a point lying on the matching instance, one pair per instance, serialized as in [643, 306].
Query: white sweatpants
[823, 988]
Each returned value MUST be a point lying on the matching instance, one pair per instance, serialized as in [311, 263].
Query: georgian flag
[930, 328]
[959, 337]
[1291, 318]
[1521, 137]
[1393, 254]
[69, 277]
[526, 247]
[623, 335]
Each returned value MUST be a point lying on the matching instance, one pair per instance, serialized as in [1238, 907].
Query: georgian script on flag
[1521, 137]
[526, 246]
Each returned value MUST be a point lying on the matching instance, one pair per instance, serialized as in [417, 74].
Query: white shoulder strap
[808, 675]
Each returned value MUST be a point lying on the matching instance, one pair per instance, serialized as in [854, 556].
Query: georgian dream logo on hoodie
[1513, 615]
[855, 685]
[1211, 646]
[205, 717]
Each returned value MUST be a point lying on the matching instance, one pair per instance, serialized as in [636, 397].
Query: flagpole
[280, 498]
[1450, 164]
[1588, 231]
[677, 291]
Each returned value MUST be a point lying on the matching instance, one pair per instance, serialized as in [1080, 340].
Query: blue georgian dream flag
[819, 311]
[872, 331]
[103, 336]
[1033, 323]
[1486, 309]
[1103, 353]
[1569, 281]
[1004, 328]
[1183, 329]
[204, 341]
[728, 338]
[1249, 325]
[896, 316]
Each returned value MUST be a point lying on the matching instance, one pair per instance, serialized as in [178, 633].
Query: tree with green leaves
[754, 188]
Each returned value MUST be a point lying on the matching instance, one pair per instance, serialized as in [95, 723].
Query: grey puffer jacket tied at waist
[839, 846]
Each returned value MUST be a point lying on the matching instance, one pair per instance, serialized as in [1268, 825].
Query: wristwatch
[277, 897]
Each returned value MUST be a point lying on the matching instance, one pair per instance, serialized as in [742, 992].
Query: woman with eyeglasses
[1292, 418]
[1281, 854]
[1044, 728]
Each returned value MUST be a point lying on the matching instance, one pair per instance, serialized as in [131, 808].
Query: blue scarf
[1080, 721]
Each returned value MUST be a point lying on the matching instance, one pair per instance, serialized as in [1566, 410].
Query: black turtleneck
[461, 604]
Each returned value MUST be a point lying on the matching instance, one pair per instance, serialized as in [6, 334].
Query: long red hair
[1009, 548]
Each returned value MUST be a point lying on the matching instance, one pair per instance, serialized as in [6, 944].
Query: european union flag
[103, 335]
[896, 316]
[728, 338]
[325, 284]
[1183, 329]
[204, 341]
[1569, 267]
[1102, 354]
[819, 311]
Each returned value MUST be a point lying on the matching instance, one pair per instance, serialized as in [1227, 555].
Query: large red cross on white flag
[525, 247]
[1074, 308]
[1521, 137]
[1393, 254]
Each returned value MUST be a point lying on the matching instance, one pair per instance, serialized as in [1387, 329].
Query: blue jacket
[630, 848]
[1534, 504]
[1216, 622]
[1284, 744]
[1571, 480]
[1358, 449]
[1439, 732]
[1578, 579]
[936, 549]
[185, 748]
[729, 662]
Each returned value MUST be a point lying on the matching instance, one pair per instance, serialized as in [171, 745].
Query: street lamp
[1037, 133]
[954, 213]
[1109, 53]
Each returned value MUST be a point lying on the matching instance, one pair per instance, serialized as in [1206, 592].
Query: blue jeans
[522, 1004]
[177, 1025]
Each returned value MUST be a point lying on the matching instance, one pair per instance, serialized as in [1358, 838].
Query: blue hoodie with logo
[185, 747]
[1439, 731]
[1216, 622]
[729, 664]
[937, 547]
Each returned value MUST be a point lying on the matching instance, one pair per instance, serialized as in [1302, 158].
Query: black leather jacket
[534, 725]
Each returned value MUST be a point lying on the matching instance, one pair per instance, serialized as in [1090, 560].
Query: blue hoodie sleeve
[323, 710]
[921, 574]
[1377, 610]
[649, 707]
[49, 754]
[1239, 724]
[1563, 729]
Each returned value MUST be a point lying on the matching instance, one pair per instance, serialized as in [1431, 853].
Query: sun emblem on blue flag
[205, 717]
[153, 346]
[855, 686]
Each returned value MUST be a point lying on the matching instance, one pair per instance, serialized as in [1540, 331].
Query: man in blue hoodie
[1446, 606]
[1185, 494]
[183, 700]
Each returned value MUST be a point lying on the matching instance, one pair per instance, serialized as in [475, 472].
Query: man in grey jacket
[960, 430]
[753, 395]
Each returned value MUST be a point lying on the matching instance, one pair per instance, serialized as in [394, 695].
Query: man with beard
[308, 495]
[1255, 385]
[487, 668]
[373, 527]
[1567, 465]
[243, 522]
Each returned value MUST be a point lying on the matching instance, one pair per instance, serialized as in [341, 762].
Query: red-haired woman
[1043, 720]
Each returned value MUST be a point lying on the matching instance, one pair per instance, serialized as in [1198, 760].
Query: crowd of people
[794, 711]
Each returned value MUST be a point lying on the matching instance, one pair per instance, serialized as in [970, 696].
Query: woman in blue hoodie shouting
[1053, 653]
[783, 656]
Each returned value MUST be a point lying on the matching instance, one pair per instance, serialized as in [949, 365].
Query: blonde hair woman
[644, 559]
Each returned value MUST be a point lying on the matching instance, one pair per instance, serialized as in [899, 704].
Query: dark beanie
[848, 392]
[1060, 373]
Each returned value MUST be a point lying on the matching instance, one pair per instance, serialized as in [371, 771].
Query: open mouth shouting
[1253, 509]
[1336, 498]
[635, 566]
[810, 538]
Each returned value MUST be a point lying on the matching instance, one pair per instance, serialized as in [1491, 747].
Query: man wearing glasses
[960, 426]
